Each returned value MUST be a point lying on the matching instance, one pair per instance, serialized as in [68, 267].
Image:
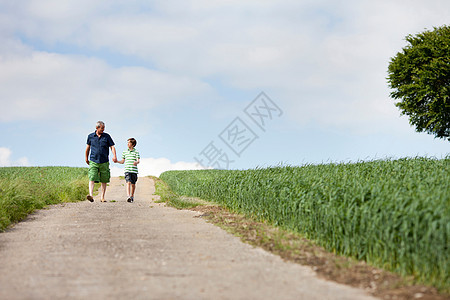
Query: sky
[198, 83]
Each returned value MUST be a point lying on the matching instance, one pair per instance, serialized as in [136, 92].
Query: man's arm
[113, 150]
[88, 149]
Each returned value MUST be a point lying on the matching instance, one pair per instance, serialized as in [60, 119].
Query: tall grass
[391, 213]
[24, 189]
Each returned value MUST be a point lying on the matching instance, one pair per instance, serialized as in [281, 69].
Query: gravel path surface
[144, 250]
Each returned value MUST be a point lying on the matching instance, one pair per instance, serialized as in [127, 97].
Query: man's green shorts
[99, 172]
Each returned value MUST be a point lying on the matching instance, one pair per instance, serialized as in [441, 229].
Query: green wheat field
[393, 214]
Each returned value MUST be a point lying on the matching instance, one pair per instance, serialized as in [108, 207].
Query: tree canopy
[420, 78]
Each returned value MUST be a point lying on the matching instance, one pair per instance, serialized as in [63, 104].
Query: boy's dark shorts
[131, 177]
[99, 172]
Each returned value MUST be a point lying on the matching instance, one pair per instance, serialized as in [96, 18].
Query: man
[98, 143]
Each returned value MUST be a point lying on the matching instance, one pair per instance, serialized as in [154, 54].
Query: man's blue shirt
[99, 147]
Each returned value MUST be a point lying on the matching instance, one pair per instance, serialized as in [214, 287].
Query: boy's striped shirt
[130, 157]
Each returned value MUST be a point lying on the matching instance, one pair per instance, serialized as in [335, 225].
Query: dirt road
[144, 250]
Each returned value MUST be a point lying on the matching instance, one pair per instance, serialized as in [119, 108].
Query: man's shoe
[89, 197]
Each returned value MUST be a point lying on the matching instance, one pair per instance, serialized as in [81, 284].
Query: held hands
[119, 161]
[123, 161]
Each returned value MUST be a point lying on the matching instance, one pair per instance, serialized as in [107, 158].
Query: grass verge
[175, 200]
[294, 247]
[25, 189]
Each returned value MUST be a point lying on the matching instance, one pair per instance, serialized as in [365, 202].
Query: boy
[131, 159]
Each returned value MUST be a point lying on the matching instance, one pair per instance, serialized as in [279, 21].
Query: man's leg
[91, 188]
[102, 198]
[104, 184]
[91, 191]
[105, 176]
[93, 176]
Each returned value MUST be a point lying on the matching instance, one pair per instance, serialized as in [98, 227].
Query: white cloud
[5, 159]
[41, 85]
[326, 62]
[323, 62]
[156, 166]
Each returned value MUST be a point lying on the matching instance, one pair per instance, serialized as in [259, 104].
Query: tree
[420, 78]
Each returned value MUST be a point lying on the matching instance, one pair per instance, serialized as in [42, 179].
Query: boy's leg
[128, 189]
[133, 188]
[129, 180]
[133, 185]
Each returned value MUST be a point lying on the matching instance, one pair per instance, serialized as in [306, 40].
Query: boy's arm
[136, 162]
[121, 161]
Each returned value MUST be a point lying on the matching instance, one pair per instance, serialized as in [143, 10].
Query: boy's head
[131, 143]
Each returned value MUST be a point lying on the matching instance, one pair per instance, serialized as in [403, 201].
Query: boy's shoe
[89, 197]
[129, 199]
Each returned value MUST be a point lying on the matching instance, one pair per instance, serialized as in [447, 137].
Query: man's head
[100, 126]
[131, 143]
